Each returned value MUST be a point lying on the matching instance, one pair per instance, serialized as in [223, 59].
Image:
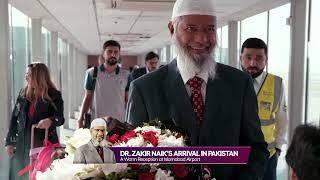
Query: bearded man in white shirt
[271, 100]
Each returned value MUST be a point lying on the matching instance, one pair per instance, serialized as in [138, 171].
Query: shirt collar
[261, 77]
[103, 69]
[186, 75]
[147, 70]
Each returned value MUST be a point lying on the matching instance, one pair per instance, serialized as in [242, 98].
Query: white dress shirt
[282, 114]
[186, 75]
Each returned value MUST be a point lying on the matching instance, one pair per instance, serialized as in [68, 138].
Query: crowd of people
[216, 104]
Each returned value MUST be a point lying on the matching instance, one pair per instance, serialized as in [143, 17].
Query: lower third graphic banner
[188, 155]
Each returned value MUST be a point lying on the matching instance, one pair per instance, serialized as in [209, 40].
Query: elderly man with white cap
[96, 150]
[214, 103]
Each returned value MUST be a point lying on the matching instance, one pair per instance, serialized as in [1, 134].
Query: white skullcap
[98, 122]
[193, 7]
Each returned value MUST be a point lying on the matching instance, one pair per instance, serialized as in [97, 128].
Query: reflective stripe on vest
[272, 145]
[268, 103]
[267, 122]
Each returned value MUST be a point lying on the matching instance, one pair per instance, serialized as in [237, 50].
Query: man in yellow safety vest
[271, 100]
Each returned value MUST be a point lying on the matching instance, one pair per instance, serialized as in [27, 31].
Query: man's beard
[253, 75]
[97, 143]
[152, 69]
[195, 63]
[112, 61]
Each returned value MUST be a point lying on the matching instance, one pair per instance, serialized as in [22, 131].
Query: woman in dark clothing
[39, 102]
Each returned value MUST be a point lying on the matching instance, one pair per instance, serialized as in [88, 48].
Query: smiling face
[98, 133]
[195, 35]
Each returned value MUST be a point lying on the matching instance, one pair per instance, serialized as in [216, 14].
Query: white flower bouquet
[155, 135]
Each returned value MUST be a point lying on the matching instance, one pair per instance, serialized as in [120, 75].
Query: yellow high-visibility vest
[268, 103]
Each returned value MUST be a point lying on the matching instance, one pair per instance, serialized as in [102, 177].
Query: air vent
[162, 1]
[121, 34]
[145, 5]
[145, 37]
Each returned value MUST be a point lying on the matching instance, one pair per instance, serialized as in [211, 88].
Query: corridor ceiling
[139, 25]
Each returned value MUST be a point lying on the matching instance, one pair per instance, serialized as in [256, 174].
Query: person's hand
[80, 123]
[10, 150]
[44, 123]
[278, 151]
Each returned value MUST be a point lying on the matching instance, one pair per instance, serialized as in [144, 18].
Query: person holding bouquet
[216, 104]
[39, 102]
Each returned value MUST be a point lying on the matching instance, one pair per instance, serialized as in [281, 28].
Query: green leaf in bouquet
[79, 174]
[128, 174]
[145, 168]
[91, 172]
[92, 169]
[70, 149]
[112, 176]
[66, 138]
